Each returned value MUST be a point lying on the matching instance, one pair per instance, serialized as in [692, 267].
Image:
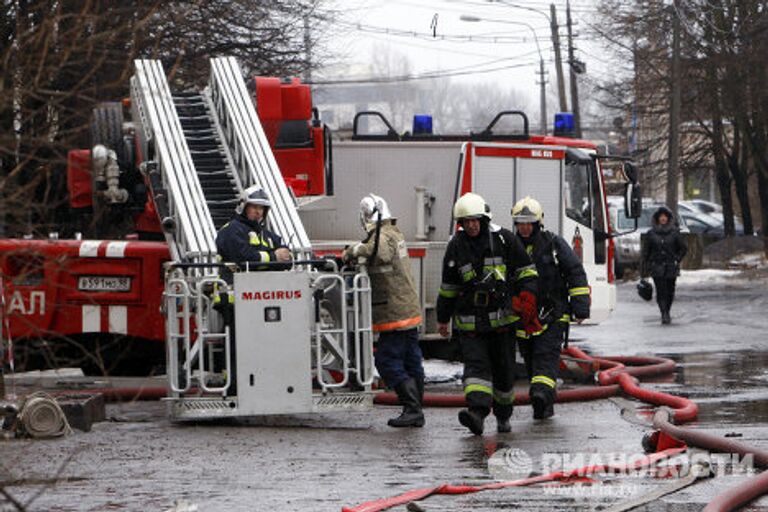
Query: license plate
[104, 284]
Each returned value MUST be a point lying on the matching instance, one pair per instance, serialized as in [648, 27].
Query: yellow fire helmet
[471, 206]
[527, 210]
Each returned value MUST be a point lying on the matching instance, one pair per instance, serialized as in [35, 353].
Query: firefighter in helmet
[483, 268]
[563, 296]
[396, 308]
[246, 238]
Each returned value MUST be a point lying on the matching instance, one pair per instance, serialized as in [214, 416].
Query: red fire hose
[613, 374]
[570, 476]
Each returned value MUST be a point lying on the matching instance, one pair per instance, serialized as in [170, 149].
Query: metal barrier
[363, 331]
[178, 331]
[207, 339]
[335, 340]
[188, 336]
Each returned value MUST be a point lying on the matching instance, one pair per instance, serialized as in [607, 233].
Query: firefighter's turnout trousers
[541, 353]
[489, 361]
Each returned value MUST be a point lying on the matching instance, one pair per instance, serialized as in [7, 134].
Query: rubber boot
[543, 406]
[420, 389]
[473, 420]
[412, 415]
[503, 413]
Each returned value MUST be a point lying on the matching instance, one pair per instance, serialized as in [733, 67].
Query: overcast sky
[430, 33]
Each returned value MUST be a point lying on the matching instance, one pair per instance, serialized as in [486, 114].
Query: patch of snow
[706, 275]
[436, 371]
[750, 260]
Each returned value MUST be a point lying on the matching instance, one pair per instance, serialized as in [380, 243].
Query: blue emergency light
[564, 125]
[422, 125]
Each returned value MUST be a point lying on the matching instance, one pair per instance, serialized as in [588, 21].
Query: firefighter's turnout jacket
[480, 275]
[563, 288]
[395, 300]
[241, 240]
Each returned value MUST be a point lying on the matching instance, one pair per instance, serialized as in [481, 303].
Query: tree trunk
[736, 162]
[718, 150]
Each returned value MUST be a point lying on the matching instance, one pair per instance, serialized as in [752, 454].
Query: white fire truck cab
[421, 177]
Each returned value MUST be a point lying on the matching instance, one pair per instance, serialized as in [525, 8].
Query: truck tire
[618, 269]
[107, 128]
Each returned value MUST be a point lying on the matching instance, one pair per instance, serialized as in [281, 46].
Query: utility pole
[543, 99]
[558, 61]
[573, 73]
[673, 168]
[307, 49]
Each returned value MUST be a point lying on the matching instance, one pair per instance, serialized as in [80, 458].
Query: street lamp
[543, 99]
[552, 20]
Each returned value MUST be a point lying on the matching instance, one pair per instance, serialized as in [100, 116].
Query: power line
[441, 37]
[454, 51]
[408, 78]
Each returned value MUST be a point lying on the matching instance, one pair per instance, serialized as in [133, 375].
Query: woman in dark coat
[663, 250]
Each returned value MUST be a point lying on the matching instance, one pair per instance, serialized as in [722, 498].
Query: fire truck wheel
[107, 128]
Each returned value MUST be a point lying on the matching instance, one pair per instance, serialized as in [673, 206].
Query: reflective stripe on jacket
[480, 276]
[241, 240]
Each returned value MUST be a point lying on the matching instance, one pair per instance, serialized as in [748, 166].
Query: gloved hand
[524, 305]
[348, 255]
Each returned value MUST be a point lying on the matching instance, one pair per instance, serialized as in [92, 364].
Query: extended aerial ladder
[304, 338]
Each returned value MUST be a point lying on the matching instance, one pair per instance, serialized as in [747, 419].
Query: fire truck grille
[343, 401]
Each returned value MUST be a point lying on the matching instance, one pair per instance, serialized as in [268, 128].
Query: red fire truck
[99, 298]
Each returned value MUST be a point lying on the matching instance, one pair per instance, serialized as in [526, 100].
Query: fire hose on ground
[614, 374]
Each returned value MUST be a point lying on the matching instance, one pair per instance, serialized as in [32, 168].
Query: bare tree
[61, 58]
[724, 88]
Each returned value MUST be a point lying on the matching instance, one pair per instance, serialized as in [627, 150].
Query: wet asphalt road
[139, 461]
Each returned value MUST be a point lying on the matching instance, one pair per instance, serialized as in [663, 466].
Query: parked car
[705, 224]
[698, 207]
[627, 246]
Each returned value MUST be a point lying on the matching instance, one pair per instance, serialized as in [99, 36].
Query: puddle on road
[734, 385]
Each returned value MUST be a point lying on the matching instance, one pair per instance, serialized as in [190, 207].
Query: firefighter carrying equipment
[394, 299]
[471, 206]
[563, 292]
[645, 290]
[527, 210]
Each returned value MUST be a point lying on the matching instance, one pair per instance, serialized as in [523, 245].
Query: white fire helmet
[527, 210]
[254, 195]
[372, 209]
[471, 206]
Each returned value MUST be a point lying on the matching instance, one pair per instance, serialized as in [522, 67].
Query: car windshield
[643, 222]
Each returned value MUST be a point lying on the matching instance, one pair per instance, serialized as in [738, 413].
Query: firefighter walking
[563, 295]
[396, 308]
[483, 268]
